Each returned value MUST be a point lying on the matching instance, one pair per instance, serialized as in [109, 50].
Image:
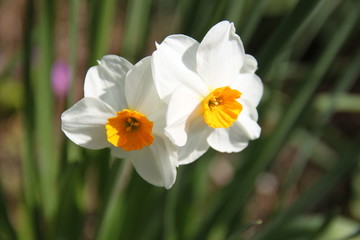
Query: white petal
[182, 104]
[250, 86]
[157, 163]
[196, 144]
[220, 55]
[249, 109]
[140, 91]
[236, 137]
[248, 126]
[119, 152]
[250, 64]
[228, 140]
[158, 118]
[106, 81]
[84, 123]
[174, 64]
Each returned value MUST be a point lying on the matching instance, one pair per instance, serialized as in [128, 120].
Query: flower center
[221, 108]
[129, 130]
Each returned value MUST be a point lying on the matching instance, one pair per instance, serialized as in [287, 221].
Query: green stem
[6, 229]
[73, 31]
[113, 208]
[29, 169]
[102, 16]
[285, 34]
[44, 113]
[136, 28]
[252, 19]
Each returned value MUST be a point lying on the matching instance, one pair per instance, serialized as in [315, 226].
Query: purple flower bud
[60, 78]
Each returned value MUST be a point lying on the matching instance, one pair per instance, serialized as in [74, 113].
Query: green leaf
[44, 113]
[102, 14]
[136, 28]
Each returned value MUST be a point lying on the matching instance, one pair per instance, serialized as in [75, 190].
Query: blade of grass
[180, 220]
[345, 82]
[149, 208]
[344, 103]
[44, 113]
[170, 213]
[102, 16]
[28, 119]
[234, 196]
[71, 152]
[302, 44]
[216, 15]
[110, 223]
[286, 33]
[6, 228]
[184, 16]
[136, 28]
[235, 12]
[252, 19]
[28, 225]
[71, 188]
[27, 212]
[73, 32]
[207, 14]
[318, 22]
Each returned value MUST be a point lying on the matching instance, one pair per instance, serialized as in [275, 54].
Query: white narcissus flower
[121, 110]
[212, 91]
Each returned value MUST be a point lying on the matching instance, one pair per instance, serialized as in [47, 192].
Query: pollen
[132, 124]
[221, 108]
[129, 130]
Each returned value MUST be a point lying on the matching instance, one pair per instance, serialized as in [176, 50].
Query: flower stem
[113, 209]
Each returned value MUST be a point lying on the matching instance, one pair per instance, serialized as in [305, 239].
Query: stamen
[221, 108]
[129, 130]
[131, 124]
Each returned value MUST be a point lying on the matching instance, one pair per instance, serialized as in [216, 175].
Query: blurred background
[300, 180]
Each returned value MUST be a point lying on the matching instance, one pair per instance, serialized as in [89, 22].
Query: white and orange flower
[122, 110]
[212, 91]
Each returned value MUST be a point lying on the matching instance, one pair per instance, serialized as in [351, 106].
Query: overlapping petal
[196, 144]
[248, 126]
[250, 64]
[174, 64]
[156, 164]
[250, 87]
[182, 104]
[140, 90]
[228, 140]
[107, 80]
[220, 55]
[84, 123]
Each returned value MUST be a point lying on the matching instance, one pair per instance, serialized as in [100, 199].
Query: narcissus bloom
[122, 110]
[212, 91]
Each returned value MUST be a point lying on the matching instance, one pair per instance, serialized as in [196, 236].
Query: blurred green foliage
[300, 180]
